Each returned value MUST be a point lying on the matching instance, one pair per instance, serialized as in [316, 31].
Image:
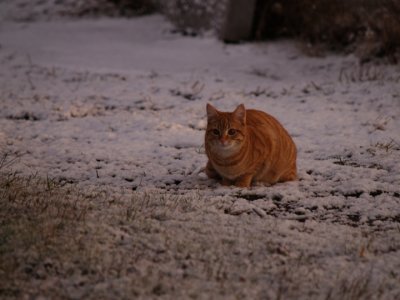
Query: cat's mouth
[226, 146]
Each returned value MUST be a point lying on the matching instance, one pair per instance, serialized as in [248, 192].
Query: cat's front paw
[211, 172]
[225, 182]
[244, 181]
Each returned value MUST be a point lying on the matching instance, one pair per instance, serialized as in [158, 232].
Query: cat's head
[225, 130]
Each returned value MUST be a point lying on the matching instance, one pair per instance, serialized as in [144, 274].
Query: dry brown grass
[64, 241]
[368, 28]
[39, 220]
[28, 11]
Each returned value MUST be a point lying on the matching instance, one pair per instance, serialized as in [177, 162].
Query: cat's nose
[224, 142]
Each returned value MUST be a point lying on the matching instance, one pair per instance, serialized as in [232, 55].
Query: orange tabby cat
[247, 146]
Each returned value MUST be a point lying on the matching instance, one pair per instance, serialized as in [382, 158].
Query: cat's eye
[215, 132]
[232, 132]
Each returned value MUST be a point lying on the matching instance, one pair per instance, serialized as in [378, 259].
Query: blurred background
[368, 28]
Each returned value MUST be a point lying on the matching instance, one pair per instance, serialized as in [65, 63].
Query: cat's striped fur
[247, 146]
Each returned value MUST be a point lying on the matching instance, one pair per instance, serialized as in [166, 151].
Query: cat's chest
[229, 172]
[229, 169]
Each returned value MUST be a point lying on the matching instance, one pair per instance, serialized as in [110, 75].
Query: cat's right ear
[240, 113]
[212, 112]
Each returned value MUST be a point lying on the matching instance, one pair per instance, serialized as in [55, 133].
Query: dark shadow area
[367, 28]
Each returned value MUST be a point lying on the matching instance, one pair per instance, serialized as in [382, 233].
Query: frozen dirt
[119, 105]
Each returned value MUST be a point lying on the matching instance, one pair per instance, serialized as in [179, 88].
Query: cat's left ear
[240, 113]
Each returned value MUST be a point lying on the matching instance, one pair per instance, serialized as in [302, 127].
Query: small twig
[28, 73]
[217, 96]
[341, 73]
[141, 179]
[317, 87]
[4, 164]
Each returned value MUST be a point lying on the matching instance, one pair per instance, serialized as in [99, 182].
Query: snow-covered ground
[119, 104]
